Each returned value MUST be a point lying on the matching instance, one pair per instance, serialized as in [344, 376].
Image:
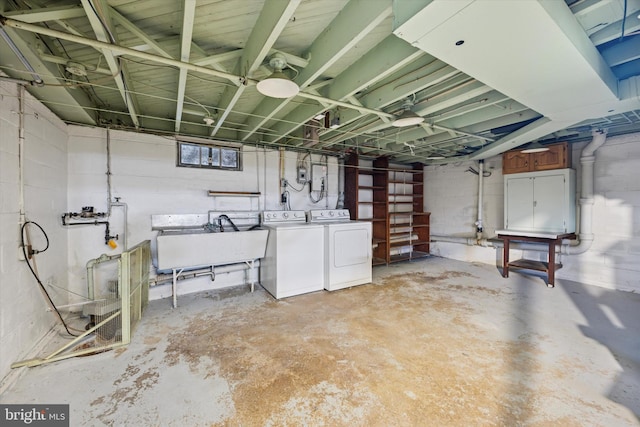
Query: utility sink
[201, 248]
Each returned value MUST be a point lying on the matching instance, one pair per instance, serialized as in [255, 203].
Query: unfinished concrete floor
[436, 342]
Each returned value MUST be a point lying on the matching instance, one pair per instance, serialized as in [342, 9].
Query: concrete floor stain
[378, 355]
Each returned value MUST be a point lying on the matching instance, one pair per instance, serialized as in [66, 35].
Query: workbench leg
[505, 258]
[551, 270]
[174, 289]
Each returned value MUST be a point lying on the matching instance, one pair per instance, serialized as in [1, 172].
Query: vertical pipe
[479, 226]
[587, 160]
[108, 173]
[125, 220]
[21, 153]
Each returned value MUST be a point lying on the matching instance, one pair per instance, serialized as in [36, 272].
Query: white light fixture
[435, 158]
[408, 117]
[536, 147]
[208, 120]
[278, 85]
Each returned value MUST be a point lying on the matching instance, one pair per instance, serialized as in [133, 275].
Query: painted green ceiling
[164, 66]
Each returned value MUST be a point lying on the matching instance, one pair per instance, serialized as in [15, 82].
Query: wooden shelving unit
[391, 197]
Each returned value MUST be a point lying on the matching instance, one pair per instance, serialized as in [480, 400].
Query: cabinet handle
[535, 203]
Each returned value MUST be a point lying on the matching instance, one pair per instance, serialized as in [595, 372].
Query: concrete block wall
[613, 259]
[145, 176]
[24, 315]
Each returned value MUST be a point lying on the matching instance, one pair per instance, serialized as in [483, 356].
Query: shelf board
[408, 242]
[529, 264]
[378, 240]
[370, 187]
[400, 224]
[409, 256]
[394, 181]
[378, 261]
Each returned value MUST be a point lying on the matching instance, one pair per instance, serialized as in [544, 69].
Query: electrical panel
[318, 176]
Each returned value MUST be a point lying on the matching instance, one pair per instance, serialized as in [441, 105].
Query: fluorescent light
[536, 147]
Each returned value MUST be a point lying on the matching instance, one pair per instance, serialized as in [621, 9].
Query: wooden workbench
[550, 239]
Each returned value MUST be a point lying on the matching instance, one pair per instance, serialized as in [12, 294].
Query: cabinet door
[549, 203]
[556, 158]
[519, 204]
[515, 162]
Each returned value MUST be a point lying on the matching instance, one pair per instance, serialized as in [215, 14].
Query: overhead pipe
[37, 80]
[121, 50]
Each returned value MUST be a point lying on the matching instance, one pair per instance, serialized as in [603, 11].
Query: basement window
[209, 156]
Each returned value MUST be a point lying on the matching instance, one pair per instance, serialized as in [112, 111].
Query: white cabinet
[541, 201]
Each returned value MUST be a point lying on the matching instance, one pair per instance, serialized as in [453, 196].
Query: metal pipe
[12, 23]
[108, 173]
[162, 279]
[121, 50]
[479, 226]
[124, 231]
[21, 158]
[90, 265]
[21, 57]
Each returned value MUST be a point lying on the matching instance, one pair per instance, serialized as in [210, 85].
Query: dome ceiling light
[278, 84]
[408, 117]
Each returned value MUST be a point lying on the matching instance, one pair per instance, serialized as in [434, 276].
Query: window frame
[210, 147]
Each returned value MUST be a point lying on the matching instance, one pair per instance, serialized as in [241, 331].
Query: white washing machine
[347, 248]
[294, 259]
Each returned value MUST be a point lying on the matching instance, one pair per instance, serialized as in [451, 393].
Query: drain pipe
[587, 160]
[479, 227]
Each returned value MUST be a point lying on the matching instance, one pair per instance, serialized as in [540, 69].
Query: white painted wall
[614, 258]
[24, 318]
[145, 176]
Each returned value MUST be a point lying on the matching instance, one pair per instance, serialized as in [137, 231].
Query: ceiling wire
[624, 20]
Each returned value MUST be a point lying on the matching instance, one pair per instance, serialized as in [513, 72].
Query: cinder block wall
[612, 261]
[145, 176]
[24, 315]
